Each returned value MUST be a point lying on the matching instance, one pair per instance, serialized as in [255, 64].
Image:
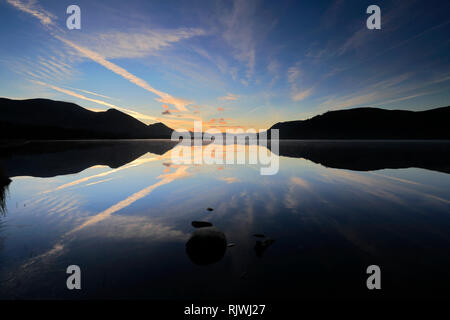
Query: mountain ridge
[50, 119]
[370, 123]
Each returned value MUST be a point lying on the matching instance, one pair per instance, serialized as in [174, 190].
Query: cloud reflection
[166, 178]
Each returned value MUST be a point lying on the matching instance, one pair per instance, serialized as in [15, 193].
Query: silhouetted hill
[48, 119]
[370, 123]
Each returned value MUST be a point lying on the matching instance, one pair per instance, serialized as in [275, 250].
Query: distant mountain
[48, 119]
[370, 123]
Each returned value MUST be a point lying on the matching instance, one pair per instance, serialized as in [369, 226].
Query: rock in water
[261, 246]
[206, 246]
[201, 224]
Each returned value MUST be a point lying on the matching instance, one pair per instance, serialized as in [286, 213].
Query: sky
[231, 64]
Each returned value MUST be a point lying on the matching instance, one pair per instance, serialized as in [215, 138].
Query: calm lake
[123, 212]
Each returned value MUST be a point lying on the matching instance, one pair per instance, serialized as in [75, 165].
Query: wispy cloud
[240, 33]
[180, 104]
[300, 95]
[293, 73]
[383, 92]
[45, 17]
[356, 40]
[273, 68]
[51, 68]
[229, 97]
[114, 45]
[132, 113]
[92, 93]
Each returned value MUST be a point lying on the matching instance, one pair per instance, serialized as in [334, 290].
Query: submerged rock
[259, 235]
[206, 246]
[262, 246]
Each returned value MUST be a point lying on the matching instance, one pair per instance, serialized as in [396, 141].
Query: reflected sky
[127, 229]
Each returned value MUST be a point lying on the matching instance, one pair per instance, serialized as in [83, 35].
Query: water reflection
[371, 155]
[44, 159]
[262, 246]
[126, 213]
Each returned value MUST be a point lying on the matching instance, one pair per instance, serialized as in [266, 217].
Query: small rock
[206, 246]
[259, 235]
[201, 224]
[209, 209]
[261, 246]
[268, 242]
[231, 244]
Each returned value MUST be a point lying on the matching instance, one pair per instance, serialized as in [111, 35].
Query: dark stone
[206, 246]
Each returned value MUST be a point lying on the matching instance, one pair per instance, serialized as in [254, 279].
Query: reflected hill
[49, 159]
[371, 155]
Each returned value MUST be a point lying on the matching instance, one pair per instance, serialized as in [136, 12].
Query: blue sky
[228, 63]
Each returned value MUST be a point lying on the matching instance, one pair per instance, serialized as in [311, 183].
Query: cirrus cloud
[229, 97]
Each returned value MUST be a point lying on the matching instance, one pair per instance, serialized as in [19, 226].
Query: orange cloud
[229, 97]
[214, 121]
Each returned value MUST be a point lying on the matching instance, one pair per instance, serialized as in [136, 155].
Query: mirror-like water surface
[124, 213]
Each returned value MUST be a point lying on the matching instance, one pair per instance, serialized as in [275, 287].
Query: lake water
[123, 212]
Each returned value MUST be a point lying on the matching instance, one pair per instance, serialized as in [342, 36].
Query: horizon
[232, 130]
[237, 64]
